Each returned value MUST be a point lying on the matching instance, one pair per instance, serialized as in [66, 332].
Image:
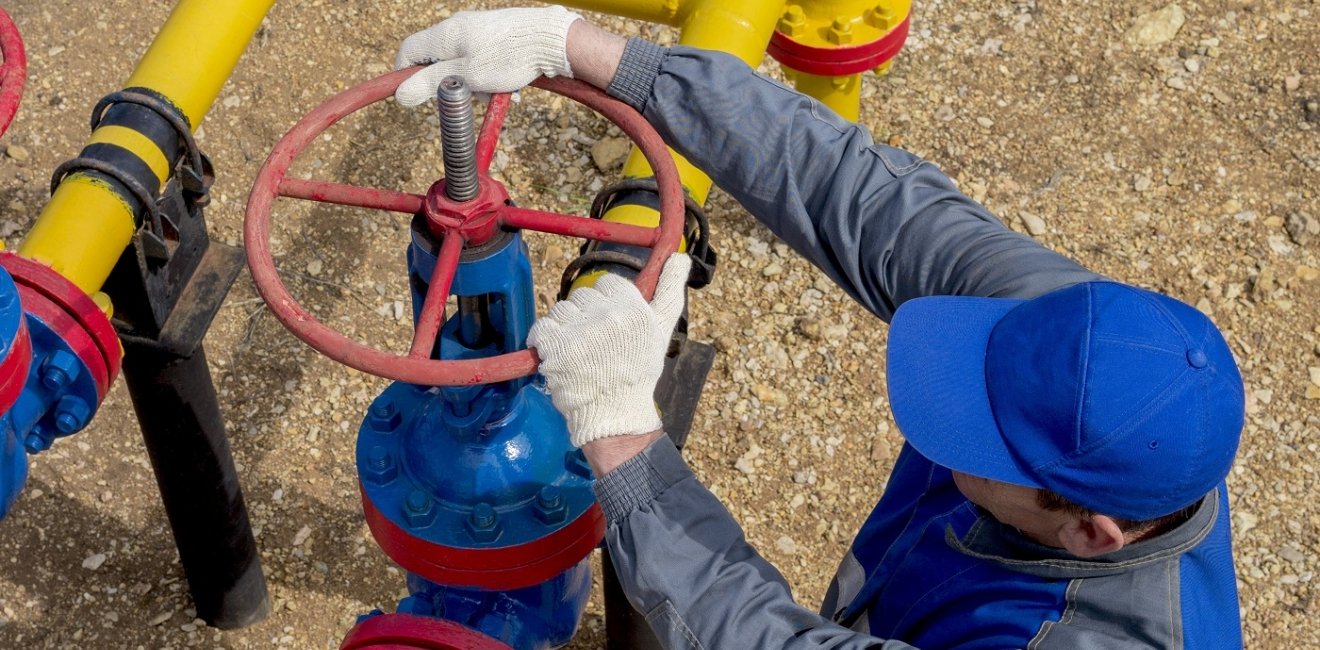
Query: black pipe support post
[167, 288]
[185, 437]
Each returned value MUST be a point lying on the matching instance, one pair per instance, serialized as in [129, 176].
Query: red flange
[13, 72]
[456, 224]
[508, 567]
[838, 61]
[408, 632]
[71, 314]
[14, 368]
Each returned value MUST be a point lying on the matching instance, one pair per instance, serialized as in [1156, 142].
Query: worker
[1067, 435]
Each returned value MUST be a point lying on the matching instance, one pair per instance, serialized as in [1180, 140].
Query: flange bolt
[71, 414]
[550, 508]
[385, 416]
[380, 468]
[418, 509]
[484, 523]
[60, 369]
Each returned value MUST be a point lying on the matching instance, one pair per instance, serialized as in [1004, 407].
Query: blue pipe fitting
[472, 468]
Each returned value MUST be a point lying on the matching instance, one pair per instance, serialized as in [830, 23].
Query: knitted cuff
[637, 72]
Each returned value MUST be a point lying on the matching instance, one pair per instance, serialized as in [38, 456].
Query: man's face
[1013, 505]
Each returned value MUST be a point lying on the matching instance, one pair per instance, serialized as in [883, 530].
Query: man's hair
[1055, 502]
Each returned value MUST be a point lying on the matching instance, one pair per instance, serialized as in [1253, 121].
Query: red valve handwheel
[13, 71]
[453, 223]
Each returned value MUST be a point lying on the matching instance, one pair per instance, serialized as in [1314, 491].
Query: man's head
[1117, 400]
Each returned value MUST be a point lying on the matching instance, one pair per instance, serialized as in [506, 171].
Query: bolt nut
[384, 416]
[881, 17]
[550, 507]
[484, 523]
[379, 467]
[71, 414]
[793, 22]
[38, 440]
[418, 509]
[841, 32]
[59, 370]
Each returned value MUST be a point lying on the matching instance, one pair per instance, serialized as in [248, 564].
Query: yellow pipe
[665, 12]
[739, 27]
[843, 95]
[86, 225]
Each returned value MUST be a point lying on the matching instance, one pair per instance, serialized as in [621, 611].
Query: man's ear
[1092, 536]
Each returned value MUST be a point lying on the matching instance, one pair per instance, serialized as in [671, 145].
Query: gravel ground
[1177, 150]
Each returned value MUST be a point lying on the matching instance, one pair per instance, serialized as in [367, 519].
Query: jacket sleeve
[882, 223]
[684, 564]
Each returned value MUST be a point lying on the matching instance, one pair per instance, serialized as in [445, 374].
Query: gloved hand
[494, 51]
[602, 351]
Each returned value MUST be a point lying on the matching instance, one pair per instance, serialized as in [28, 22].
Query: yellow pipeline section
[739, 27]
[86, 225]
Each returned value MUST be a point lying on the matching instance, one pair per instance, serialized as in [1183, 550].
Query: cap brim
[937, 384]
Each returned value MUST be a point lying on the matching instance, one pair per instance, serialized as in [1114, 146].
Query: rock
[1314, 371]
[1292, 82]
[1192, 65]
[302, 535]
[1243, 521]
[1035, 225]
[1292, 555]
[1307, 273]
[772, 269]
[159, 618]
[609, 153]
[1176, 83]
[808, 328]
[1279, 244]
[1301, 227]
[1141, 183]
[786, 545]
[746, 463]
[1157, 27]
[985, 122]
[314, 267]
[94, 561]
[17, 153]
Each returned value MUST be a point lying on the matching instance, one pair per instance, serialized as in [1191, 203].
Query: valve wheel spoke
[570, 226]
[351, 195]
[437, 295]
[491, 126]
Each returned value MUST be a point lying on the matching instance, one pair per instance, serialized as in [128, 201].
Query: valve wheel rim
[13, 71]
[414, 368]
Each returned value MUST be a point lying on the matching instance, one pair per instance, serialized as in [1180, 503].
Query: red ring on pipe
[501, 568]
[838, 61]
[409, 632]
[13, 72]
[70, 313]
[14, 369]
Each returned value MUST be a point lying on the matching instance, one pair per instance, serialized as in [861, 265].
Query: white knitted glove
[602, 351]
[493, 51]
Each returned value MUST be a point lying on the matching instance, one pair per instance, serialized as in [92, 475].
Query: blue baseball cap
[1124, 401]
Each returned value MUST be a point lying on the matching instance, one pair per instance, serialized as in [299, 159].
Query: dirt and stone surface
[1173, 148]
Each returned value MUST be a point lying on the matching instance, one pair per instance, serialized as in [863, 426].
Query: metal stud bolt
[419, 509]
[793, 22]
[59, 370]
[380, 468]
[550, 507]
[385, 416]
[840, 31]
[484, 523]
[71, 414]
